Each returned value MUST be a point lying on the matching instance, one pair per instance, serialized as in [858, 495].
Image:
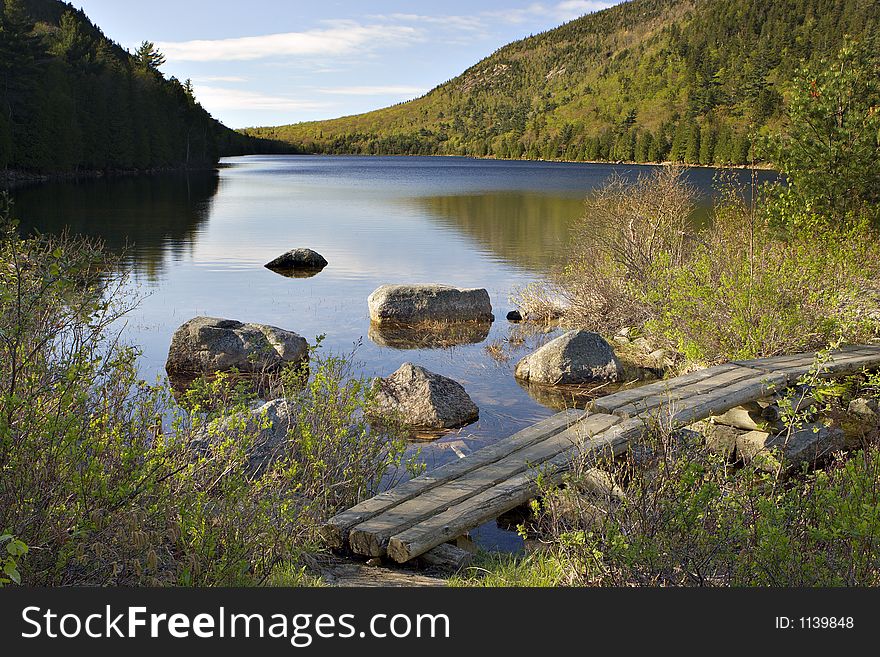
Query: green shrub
[99, 476]
[752, 288]
[689, 518]
[615, 248]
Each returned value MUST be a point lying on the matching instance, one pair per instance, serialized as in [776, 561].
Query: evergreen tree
[148, 58]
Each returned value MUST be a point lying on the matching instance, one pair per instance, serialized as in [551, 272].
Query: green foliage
[688, 518]
[650, 80]
[14, 550]
[109, 482]
[750, 289]
[148, 57]
[760, 279]
[831, 148]
[71, 100]
[499, 570]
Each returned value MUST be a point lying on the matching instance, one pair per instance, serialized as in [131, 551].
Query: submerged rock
[298, 262]
[413, 304]
[574, 358]
[424, 400]
[205, 345]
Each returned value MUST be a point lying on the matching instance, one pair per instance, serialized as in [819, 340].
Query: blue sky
[271, 62]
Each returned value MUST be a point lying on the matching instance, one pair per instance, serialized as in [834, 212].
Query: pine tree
[148, 58]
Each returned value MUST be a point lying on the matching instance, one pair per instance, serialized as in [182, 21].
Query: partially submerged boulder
[424, 400]
[574, 358]
[206, 345]
[298, 262]
[413, 304]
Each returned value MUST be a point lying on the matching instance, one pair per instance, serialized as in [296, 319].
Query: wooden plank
[335, 531]
[676, 394]
[447, 557]
[609, 403]
[840, 365]
[370, 538]
[499, 499]
[807, 360]
[699, 407]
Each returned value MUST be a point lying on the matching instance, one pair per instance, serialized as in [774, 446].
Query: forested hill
[648, 80]
[72, 100]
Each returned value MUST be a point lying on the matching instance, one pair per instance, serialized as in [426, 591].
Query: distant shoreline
[759, 166]
[16, 177]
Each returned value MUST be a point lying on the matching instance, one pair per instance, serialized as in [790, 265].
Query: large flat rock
[412, 304]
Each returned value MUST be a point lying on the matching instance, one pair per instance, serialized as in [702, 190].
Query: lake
[197, 244]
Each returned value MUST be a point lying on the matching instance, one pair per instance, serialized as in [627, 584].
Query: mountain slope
[72, 100]
[647, 80]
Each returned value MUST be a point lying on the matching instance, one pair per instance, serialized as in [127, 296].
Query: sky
[274, 62]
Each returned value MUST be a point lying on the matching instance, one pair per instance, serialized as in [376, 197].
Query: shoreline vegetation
[110, 480]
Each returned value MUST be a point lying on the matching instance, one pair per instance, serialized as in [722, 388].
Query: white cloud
[340, 38]
[221, 78]
[561, 11]
[220, 98]
[471, 23]
[388, 90]
[570, 9]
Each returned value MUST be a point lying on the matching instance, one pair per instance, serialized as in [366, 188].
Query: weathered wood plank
[499, 499]
[336, 529]
[370, 537]
[610, 403]
[807, 360]
[426, 512]
[699, 407]
[676, 394]
[448, 557]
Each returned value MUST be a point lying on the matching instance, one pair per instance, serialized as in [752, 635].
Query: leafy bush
[98, 472]
[690, 519]
[752, 288]
[615, 248]
[830, 149]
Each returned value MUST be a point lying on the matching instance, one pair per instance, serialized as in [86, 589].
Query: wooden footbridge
[428, 511]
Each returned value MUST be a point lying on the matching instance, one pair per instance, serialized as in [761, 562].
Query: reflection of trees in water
[151, 218]
[526, 229]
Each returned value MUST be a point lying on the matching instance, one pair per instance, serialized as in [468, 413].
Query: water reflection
[441, 335]
[525, 229]
[150, 218]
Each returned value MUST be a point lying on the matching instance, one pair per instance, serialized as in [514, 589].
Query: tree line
[647, 81]
[72, 100]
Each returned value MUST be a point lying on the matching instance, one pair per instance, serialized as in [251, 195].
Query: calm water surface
[197, 245]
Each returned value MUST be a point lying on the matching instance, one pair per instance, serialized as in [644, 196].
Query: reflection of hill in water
[526, 229]
[151, 217]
